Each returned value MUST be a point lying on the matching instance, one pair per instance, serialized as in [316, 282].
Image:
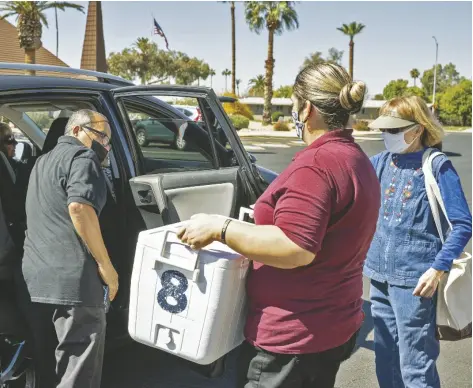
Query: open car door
[211, 174]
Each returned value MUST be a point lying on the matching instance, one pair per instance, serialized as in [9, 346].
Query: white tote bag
[454, 303]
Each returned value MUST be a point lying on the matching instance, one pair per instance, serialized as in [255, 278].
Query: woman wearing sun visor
[407, 259]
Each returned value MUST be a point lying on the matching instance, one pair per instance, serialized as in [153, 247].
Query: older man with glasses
[68, 273]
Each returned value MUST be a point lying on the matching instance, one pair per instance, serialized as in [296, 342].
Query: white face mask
[396, 144]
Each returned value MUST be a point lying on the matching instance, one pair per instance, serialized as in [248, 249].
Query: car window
[168, 142]
[44, 113]
[226, 155]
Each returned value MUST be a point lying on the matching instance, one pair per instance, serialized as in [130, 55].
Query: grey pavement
[138, 366]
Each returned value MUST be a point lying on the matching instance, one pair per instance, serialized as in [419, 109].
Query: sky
[396, 39]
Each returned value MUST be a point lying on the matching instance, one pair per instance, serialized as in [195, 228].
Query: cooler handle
[178, 254]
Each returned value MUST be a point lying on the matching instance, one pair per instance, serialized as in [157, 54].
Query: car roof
[24, 82]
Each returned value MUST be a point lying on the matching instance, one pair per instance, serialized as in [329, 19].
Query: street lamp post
[435, 70]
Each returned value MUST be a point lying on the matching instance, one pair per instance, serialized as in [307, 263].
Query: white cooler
[188, 303]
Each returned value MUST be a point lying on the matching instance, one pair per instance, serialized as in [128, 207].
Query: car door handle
[145, 197]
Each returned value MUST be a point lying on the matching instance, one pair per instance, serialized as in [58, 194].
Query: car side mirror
[252, 158]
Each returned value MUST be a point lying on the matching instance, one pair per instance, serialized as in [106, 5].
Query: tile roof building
[10, 50]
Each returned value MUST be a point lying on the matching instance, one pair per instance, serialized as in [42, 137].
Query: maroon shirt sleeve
[303, 210]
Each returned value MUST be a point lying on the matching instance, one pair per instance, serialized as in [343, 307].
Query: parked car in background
[152, 130]
[193, 112]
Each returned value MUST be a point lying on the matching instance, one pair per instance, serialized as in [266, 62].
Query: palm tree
[226, 73]
[275, 16]
[238, 82]
[415, 74]
[351, 30]
[30, 17]
[232, 10]
[232, 13]
[257, 85]
[211, 73]
[57, 32]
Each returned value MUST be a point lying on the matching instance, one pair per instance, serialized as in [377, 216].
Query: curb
[464, 131]
[269, 133]
[259, 133]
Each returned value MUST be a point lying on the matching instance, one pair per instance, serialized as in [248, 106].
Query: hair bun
[352, 96]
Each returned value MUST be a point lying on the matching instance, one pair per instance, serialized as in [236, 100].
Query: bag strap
[433, 191]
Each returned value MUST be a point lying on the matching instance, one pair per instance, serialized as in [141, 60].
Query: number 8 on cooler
[174, 291]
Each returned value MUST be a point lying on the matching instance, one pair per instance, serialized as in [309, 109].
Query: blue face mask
[299, 125]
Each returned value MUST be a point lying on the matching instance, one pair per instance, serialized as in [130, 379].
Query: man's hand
[110, 278]
[201, 230]
[428, 283]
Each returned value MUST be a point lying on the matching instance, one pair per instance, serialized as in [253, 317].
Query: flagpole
[152, 23]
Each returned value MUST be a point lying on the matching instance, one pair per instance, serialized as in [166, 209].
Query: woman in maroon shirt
[314, 225]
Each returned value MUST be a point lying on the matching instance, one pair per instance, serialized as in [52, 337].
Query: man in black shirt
[66, 266]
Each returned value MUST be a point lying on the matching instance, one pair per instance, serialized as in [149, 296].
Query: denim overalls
[404, 247]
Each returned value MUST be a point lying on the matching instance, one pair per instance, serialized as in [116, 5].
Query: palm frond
[62, 5]
[43, 19]
[254, 15]
[7, 15]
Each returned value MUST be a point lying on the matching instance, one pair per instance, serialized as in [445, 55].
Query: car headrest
[58, 128]
[27, 151]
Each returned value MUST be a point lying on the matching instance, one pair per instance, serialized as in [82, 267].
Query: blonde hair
[415, 109]
[330, 89]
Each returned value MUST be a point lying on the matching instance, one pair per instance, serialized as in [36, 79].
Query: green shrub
[189, 101]
[237, 108]
[361, 125]
[239, 121]
[281, 126]
[276, 115]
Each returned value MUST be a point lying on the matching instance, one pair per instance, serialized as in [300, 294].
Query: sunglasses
[11, 140]
[395, 131]
[103, 136]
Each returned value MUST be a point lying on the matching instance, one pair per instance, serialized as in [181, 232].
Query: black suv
[151, 185]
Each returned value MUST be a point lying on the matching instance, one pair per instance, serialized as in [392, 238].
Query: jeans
[406, 347]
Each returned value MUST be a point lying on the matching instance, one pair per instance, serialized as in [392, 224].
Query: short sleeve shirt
[57, 266]
[327, 203]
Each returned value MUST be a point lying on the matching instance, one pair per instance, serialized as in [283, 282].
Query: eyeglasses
[395, 131]
[105, 139]
[11, 140]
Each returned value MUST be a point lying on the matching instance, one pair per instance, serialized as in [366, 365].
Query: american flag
[159, 31]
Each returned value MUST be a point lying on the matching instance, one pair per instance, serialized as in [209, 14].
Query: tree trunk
[352, 56]
[226, 83]
[57, 33]
[30, 58]
[268, 84]
[233, 48]
[211, 77]
[414, 82]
